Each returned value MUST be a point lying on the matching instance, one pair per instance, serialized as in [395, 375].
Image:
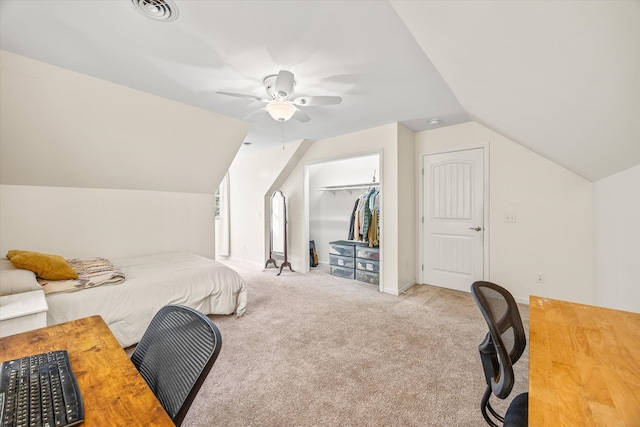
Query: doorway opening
[332, 188]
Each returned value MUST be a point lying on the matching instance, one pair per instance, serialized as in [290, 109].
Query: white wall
[383, 140]
[86, 222]
[407, 219]
[617, 240]
[330, 212]
[253, 177]
[65, 129]
[251, 174]
[393, 143]
[553, 234]
[91, 168]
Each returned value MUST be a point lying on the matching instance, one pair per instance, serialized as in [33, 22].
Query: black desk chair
[175, 355]
[502, 347]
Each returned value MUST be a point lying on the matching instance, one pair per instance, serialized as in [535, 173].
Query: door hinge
[422, 267]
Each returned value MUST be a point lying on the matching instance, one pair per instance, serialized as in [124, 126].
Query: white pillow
[15, 280]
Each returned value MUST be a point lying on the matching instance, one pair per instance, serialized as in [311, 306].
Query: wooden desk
[113, 391]
[584, 365]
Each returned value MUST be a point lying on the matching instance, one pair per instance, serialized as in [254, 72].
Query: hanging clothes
[374, 226]
[358, 218]
[373, 230]
[367, 213]
[364, 221]
[353, 220]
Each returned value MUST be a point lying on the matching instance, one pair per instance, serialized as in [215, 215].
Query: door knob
[475, 228]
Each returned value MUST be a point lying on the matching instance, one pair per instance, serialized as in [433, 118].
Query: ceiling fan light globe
[280, 110]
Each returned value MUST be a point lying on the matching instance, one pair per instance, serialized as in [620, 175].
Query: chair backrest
[506, 340]
[175, 355]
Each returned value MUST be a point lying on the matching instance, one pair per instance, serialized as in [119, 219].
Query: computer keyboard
[41, 391]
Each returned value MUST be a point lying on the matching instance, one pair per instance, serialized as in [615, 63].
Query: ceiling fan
[280, 102]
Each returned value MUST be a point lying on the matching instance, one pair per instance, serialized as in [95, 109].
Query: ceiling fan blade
[301, 116]
[317, 100]
[284, 84]
[242, 95]
[252, 114]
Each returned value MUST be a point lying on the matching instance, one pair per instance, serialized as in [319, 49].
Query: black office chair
[502, 347]
[175, 355]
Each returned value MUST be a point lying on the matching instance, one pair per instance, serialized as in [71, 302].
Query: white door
[453, 217]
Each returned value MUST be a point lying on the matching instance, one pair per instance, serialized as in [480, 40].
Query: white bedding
[152, 282]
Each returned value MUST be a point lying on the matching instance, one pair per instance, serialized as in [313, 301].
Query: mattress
[152, 282]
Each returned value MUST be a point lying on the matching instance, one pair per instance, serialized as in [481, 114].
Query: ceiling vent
[159, 10]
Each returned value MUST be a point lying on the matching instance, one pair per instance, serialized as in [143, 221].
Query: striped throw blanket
[92, 272]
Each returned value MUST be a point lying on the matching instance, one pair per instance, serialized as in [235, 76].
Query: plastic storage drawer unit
[342, 248]
[366, 276]
[366, 252]
[346, 273]
[342, 261]
[367, 265]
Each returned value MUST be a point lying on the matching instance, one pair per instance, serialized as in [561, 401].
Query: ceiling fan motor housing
[280, 102]
[280, 86]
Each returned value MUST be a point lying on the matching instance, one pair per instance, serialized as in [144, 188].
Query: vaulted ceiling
[560, 78]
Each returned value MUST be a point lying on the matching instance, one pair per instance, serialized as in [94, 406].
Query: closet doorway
[332, 190]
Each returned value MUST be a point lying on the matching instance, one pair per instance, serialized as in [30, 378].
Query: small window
[217, 209]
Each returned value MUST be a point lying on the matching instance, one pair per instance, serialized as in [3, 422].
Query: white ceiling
[561, 78]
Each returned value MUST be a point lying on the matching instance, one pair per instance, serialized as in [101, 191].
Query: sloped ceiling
[59, 128]
[560, 78]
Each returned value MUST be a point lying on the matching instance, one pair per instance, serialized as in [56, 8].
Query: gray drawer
[366, 252]
[366, 276]
[342, 261]
[347, 273]
[367, 265]
[342, 248]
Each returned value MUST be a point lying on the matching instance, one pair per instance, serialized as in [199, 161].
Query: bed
[152, 282]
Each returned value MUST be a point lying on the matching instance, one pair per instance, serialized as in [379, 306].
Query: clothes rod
[348, 187]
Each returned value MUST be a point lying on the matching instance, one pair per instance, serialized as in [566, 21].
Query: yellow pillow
[46, 266]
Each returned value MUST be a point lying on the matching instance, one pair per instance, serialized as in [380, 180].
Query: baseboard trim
[407, 285]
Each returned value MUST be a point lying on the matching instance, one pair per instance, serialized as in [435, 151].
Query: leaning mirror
[278, 231]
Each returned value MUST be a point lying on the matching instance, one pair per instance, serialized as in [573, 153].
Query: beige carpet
[316, 350]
